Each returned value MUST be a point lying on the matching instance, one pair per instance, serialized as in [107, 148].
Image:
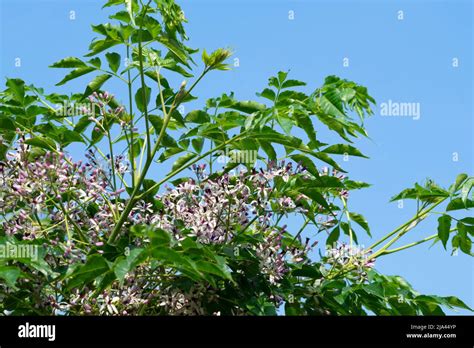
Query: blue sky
[409, 60]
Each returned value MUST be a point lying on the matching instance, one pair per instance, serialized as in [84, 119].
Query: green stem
[391, 251]
[132, 199]
[404, 229]
[112, 160]
[418, 216]
[148, 162]
[130, 101]
[346, 211]
[408, 227]
[144, 93]
[160, 90]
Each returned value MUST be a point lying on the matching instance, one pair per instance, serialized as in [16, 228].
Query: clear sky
[422, 55]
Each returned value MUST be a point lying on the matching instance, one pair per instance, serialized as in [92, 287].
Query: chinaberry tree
[117, 235]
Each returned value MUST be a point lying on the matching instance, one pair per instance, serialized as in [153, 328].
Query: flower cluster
[272, 258]
[353, 258]
[47, 185]
[121, 299]
[131, 298]
[178, 302]
[208, 210]
[53, 189]
[214, 209]
[74, 206]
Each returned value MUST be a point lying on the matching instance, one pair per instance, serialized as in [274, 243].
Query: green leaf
[268, 148]
[361, 221]
[67, 136]
[174, 47]
[464, 242]
[315, 195]
[95, 266]
[457, 204]
[212, 268]
[69, 62]
[306, 162]
[285, 123]
[75, 74]
[348, 230]
[125, 265]
[304, 122]
[142, 98]
[96, 62]
[114, 61]
[121, 16]
[292, 83]
[430, 192]
[342, 149]
[355, 185]
[337, 125]
[290, 97]
[408, 193]
[171, 256]
[332, 105]
[157, 122]
[293, 309]
[17, 87]
[96, 136]
[6, 123]
[129, 4]
[82, 124]
[282, 76]
[198, 144]
[10, 275]
[113, 3]
[468, 220]
[459, 180]
[456, 302]
[376, 289]
[327, 159]
[465, 189]
[96, 84]
[158, 238]
[176, 115]
[333, 236]
[268, 94]
[444, 225]
[247, 106]
[183, 160]
[169, 152]
[164, 83]
[41, 142]
[197, 116]
[98, 46]
[268, 134]
[307, 271]
[216, 59]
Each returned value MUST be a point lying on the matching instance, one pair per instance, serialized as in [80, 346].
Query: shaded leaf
[96, 84]
[114, 60]
[444, 225]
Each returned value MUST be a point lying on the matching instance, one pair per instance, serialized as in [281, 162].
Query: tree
[106, 238]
